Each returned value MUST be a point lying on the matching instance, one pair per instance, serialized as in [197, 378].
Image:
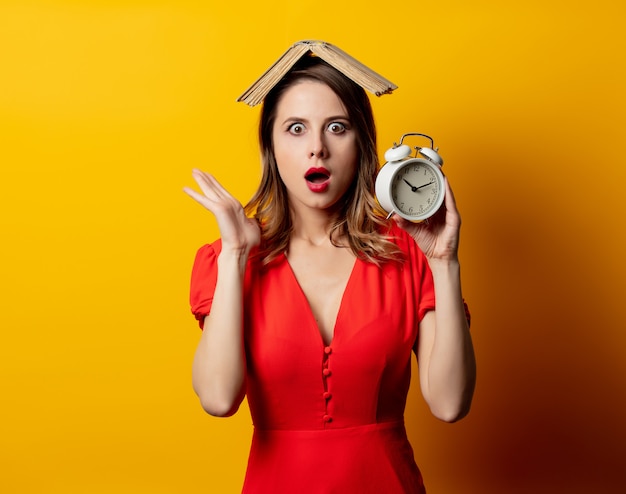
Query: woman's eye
[296, 128]
[337, 128]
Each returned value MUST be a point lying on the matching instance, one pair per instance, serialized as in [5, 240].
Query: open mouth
[317, 175]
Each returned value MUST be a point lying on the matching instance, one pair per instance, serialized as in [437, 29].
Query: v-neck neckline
[307, 304]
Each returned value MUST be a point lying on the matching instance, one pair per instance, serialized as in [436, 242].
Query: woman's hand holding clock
[437, 237]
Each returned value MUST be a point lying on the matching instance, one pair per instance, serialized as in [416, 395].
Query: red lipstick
[317, 179]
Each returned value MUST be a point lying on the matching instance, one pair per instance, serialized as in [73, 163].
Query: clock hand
[425, 185]
[413, 188]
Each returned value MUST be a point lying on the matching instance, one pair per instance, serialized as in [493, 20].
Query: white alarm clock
[411, 187]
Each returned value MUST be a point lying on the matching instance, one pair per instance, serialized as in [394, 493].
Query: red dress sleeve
[203, 281]
[419, 275]
[422, 275]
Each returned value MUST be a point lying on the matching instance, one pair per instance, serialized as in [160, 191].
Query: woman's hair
[359, 221]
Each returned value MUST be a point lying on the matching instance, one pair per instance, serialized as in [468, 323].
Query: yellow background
[106, 106]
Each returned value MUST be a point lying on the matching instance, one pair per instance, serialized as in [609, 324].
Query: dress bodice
[337, 407]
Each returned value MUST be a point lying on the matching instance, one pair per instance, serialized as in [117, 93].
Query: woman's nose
[318, 148]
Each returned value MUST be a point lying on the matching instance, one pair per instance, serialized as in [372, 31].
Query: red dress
[328, 418]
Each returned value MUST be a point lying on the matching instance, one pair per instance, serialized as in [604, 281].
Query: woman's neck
[312, 225]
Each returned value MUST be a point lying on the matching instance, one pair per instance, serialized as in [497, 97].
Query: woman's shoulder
[207, 255]
[213, 248]
[398, 236]
[406, 244]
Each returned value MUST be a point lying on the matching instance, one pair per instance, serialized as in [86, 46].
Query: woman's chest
[374, 324]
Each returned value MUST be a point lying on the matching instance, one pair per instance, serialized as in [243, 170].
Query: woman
[313, 302]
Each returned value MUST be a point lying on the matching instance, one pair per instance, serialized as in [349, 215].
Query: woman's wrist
[233, 259]
[444, 266]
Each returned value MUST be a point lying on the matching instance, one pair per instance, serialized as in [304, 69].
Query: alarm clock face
[417, 189]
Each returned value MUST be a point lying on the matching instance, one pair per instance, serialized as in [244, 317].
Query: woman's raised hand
[238, 232]
[438, 237]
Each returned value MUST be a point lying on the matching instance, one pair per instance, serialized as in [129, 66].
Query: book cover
[350, 67]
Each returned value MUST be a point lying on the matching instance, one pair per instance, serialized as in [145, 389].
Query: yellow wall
[106, 106]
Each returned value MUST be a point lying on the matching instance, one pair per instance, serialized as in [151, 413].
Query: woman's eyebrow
[295, 118]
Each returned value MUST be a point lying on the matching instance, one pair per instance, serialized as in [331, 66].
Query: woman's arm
[445, 353]
[219, 366]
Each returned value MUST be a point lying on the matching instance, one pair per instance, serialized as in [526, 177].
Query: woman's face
[314, 145]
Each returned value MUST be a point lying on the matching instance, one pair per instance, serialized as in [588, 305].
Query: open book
[344, 63]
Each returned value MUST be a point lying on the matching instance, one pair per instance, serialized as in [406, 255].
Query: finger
[450, 200]
[210, 197]
[213, 189]
[208, 185]
[196, 196]
[410, 227]
[399, 220]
